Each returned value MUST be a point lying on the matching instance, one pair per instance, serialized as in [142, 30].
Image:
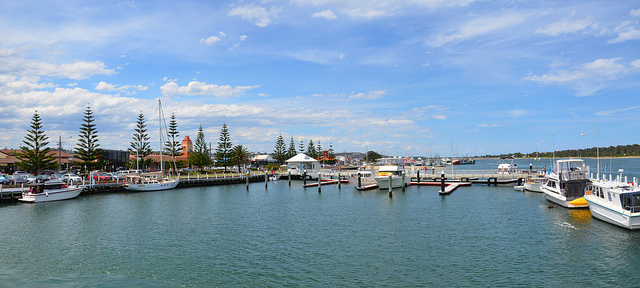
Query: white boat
[566, 183]
[148, 182]
[507, 167]
[396, 172]
[52, 190]
[274, 177]
[151, 182]
[615, 201]
[534, 183]
[363, 180]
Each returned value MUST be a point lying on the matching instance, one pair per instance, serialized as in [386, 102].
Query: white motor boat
[566, 183]
[615, 201]
[363, 180]
[52, 190]
[507, 167]
[396, 172]
[534, 183]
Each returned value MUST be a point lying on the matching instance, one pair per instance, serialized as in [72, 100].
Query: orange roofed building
[186, 148]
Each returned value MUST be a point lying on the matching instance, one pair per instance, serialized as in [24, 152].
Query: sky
[400, 77]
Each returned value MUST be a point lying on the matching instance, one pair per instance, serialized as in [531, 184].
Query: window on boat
[631, 202]
[609, 194]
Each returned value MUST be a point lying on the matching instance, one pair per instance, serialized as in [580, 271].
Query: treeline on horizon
[611, 151]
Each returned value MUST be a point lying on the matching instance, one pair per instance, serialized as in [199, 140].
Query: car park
[71, 177]
[4, 180]
[101, 176]
[15, 179]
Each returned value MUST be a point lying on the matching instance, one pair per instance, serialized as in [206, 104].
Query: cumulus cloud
[518, 113]
[195, 88]
[129, 89]
[210, 40]
[326, 14]
[380, 8]
[566, 26]
[635, 13]
[259, 15]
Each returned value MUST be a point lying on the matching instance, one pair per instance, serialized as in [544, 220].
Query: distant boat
[274, 177]
[615, 201]
[151, 182]
[52, 190]
[507, 167]
[566, 184]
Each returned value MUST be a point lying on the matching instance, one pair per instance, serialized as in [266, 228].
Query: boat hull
[533, 187]
[166, 185]
[396, 182]
[54, 195]
[614, 217]
[562, 202]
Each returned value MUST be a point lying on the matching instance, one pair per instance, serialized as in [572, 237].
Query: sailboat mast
[160, 130]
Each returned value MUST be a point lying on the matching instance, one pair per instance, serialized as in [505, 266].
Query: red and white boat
[52, 190]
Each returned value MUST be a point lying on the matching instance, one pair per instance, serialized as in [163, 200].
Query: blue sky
[394, 76]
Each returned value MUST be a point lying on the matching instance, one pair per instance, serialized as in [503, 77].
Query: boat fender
[588, 192]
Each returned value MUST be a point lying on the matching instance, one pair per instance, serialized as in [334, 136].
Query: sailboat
[152, 182]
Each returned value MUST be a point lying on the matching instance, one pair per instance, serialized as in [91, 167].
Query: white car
[71, 177]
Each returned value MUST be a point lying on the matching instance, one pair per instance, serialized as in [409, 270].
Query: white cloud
[487, 125]
[195, 88]
[588, 77]
[566, 26]
[371, 95]
[439, 117]
[477, 27]
[77, 70]
[326, 14]
[210, 40]
[369, 9]
[242, 37]
[256, 14]
[165, 79]
[616, 112]
[129, 89]
[518, 113]
[626, 31]
[635, 13]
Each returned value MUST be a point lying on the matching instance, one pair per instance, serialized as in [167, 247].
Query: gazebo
[303, 162]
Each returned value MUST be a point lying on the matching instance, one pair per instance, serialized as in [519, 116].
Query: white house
[303, 162]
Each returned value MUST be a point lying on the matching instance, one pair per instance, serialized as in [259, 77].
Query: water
[291, 236]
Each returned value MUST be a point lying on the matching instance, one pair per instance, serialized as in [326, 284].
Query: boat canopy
[572, 169]
[631, 202]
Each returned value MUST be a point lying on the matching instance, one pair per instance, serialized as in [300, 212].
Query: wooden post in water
[248, 179]
[418, 177]
[339, 182]
[304, 178]
[390, 186]
[359, 180]
[266, 179]
[289, 177]
[442, 178]
[319, 183]
[403, 182]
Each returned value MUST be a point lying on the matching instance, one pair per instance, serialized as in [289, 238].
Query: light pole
[597, 148]
[553, 138]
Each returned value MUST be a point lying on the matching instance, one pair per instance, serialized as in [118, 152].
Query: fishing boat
[534, 183]
[52, 190]
[615, 201]
[507, 167]
[396, 172]
[153, 182]
[566, 183]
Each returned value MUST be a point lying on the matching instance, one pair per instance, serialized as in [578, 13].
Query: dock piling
[289, 177]
[339, 181]
[442, 178]
[390, 186]
[418, 177]
[319, 183]
[266, 179]
[403, 182]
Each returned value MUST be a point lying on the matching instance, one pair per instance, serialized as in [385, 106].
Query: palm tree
[239, 155]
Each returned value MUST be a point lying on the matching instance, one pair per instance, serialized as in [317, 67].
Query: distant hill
[611, 151]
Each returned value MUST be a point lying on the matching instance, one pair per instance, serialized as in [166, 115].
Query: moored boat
[566, 183]
[395, 172]
[52, 190]
[534, 183]
[615, 201]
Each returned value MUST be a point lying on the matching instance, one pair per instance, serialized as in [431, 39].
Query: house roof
[265, 157]
[301, 158]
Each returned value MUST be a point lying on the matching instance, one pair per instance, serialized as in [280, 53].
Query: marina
[284, 235]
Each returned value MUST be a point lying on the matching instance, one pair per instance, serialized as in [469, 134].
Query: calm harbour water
[292, 236]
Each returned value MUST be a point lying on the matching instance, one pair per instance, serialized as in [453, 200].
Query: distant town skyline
[397, 77]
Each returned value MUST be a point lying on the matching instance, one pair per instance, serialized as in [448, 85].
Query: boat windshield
[631, 202]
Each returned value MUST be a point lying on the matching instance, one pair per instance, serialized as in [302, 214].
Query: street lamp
[553, 138]
[597, 147]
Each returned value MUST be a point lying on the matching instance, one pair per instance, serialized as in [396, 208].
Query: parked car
[101, 176]
[71, 177]
[4, 180]
[116, 176]
[44, 176]
[17, 179]
[30, 178]
[186, 170]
